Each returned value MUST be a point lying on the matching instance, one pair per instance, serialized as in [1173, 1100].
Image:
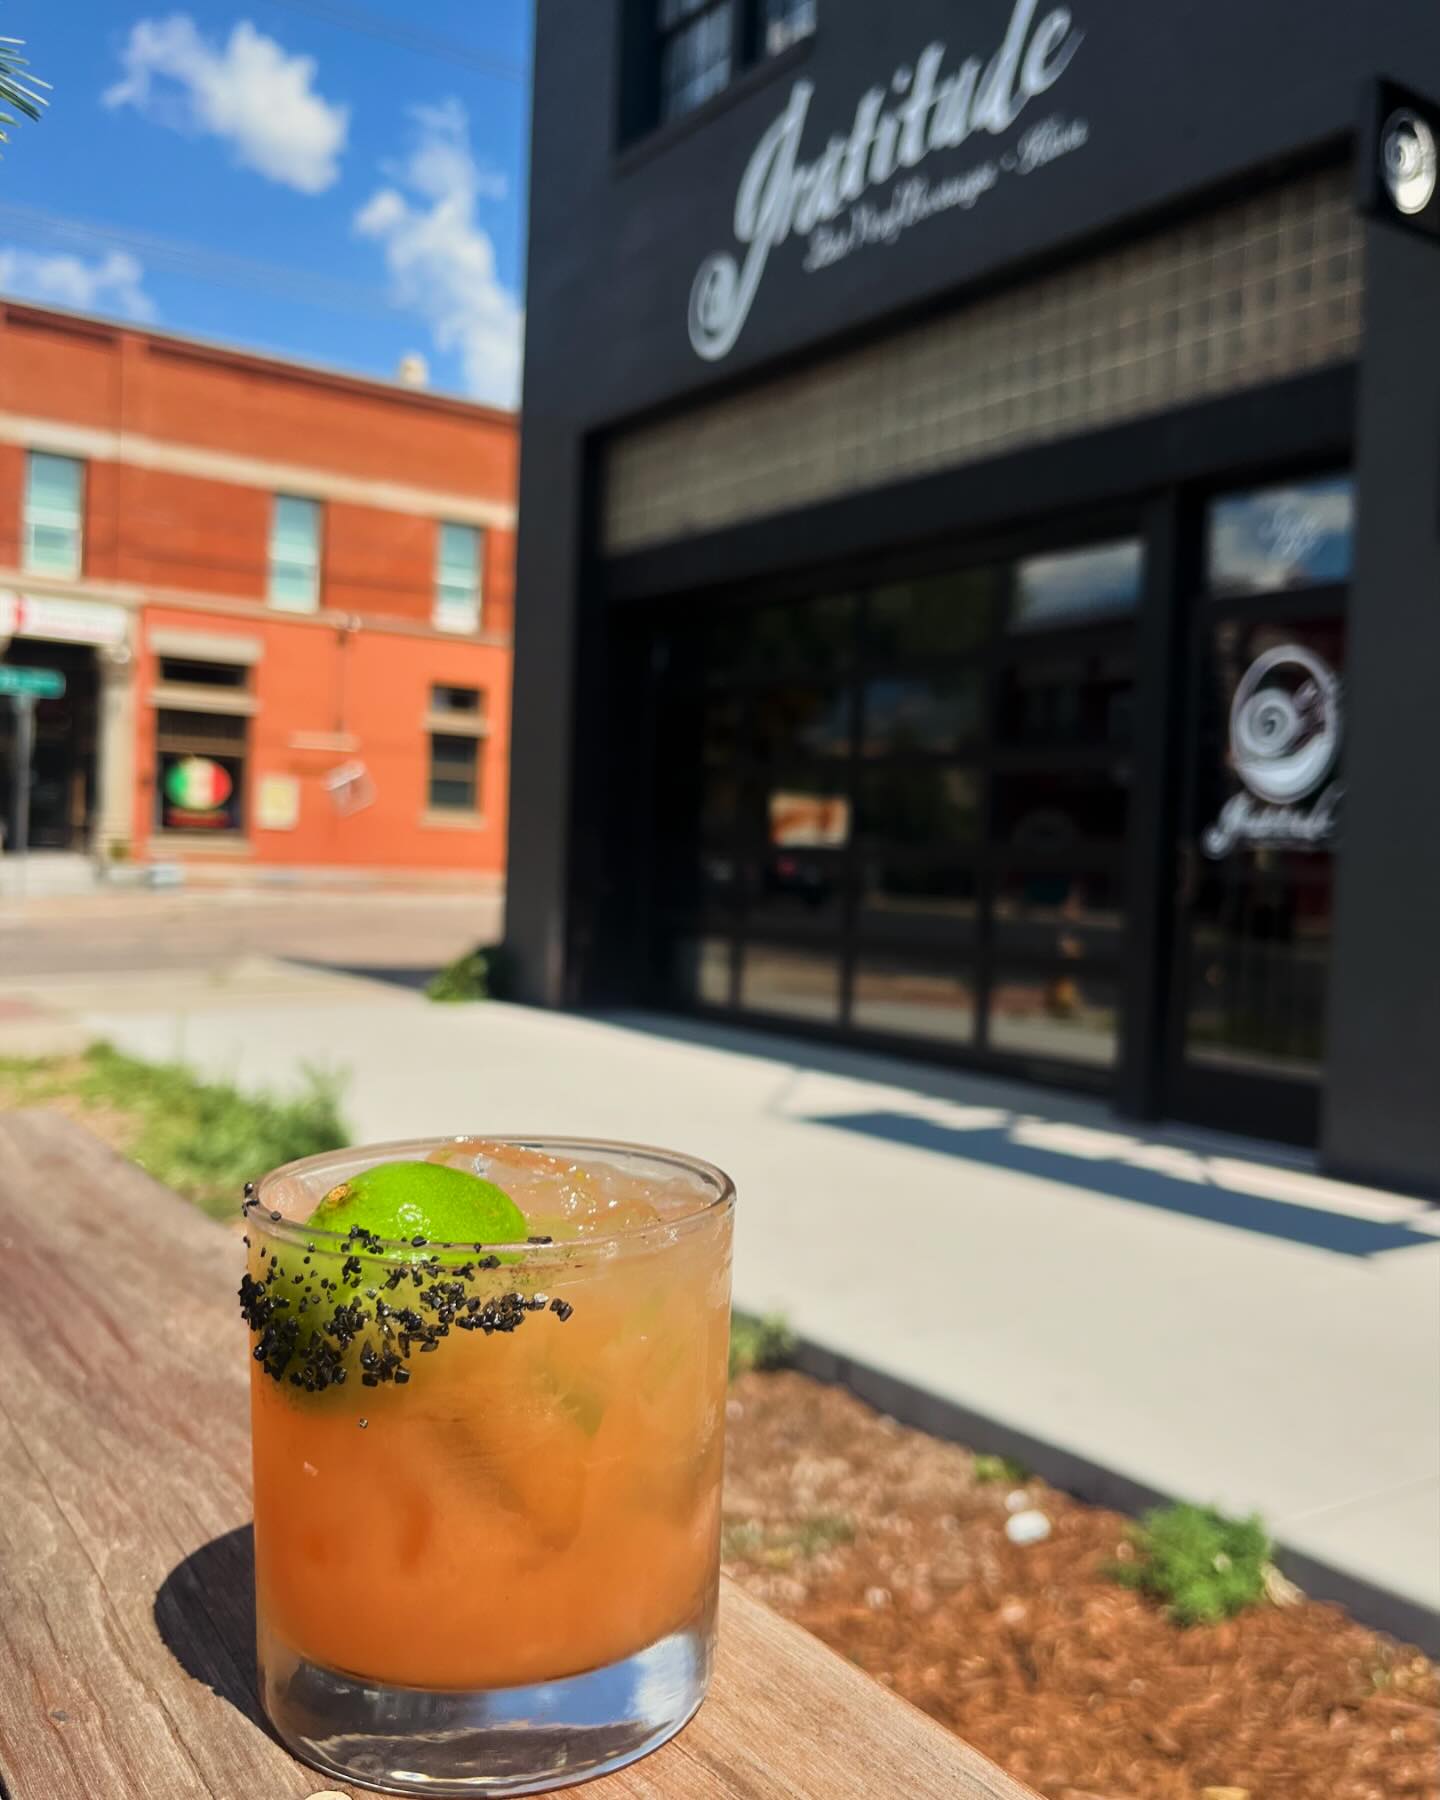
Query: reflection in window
[931, 713]
[1282, 537]
[803, 815]
[702, 970]
[795, 887]
[1259, 963]
[900, 894]
[1060, 1016]
[1059, 913]
[785, 22]
[1084, 698]
[802, 721]
[695, 52]
[905, 804]
[797, 634]
[941, 615]
[1077, 587]
[1043, 810]
[779, 978]
[912, 999]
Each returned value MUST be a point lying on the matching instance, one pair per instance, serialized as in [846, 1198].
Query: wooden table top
[127, 1662]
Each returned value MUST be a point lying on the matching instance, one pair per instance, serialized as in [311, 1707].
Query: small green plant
[480, 974]
[1204, 1566]
[766, 1343]
[778, 1546]
[999, 1468]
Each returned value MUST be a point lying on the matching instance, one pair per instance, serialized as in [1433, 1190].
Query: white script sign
[826, 202]
[1284, 741]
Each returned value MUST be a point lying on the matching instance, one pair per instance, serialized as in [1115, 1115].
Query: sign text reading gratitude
[825, 201]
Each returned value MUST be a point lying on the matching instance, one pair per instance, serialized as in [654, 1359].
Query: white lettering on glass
[1284, 742]
[780, 195]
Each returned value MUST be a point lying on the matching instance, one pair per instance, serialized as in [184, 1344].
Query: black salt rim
[273, 1223]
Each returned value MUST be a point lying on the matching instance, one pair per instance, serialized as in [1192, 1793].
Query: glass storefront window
[1270, 539]
[900, 896]
[938, 615]
[1060, 1015]
[934, 713]
[913, 999]
[1077, 587]
[200, 771]
[798, 982]
[802, 720]
[1052, 810]
[909, 804]
[803, 888]
[1085, 698]
[700, 970]
[1059, 913]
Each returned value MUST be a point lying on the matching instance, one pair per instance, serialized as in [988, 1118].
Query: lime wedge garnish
[438, 1204]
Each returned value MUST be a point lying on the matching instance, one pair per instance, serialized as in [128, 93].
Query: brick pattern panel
[1250, 293]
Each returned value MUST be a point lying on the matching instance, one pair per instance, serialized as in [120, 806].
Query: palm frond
[18, 90]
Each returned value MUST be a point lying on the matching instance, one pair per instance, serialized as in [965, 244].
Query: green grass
[778, 1546]
[1203, 1566]
[204, 1139]
[766, 1343]
[480, 974]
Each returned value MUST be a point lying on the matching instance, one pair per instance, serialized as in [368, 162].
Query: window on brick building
[459, 564]
[52, 542]
[454, 773]
[457, 726]
[295, 554]
[200, 760]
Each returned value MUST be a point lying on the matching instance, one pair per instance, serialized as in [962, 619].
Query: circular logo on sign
[198, 785]
[715, 307]
[1410, 161]
[1285, 724]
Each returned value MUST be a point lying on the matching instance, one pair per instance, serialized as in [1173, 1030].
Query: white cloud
[441, 259]
[110, 284]
[248, 92]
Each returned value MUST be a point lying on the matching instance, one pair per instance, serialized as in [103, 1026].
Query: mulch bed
[884, 1543]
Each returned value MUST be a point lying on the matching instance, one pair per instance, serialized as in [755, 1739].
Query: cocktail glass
[487, 1477]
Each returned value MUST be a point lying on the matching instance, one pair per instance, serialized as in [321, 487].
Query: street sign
[40, 684]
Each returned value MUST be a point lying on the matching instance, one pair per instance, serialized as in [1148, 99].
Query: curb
[1379, 1607]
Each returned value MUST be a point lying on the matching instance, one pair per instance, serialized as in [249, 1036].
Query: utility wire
[406, 37]
[37, 225]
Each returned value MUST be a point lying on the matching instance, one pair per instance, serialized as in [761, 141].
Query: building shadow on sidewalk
[1190, 1172]
[995, 1147]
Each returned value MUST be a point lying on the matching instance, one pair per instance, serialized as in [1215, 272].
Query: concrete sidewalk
[1199, 1317]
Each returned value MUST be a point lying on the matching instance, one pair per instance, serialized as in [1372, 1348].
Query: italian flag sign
[197, 784]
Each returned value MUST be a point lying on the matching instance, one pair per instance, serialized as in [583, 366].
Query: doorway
[1260, 810]
[62, 768]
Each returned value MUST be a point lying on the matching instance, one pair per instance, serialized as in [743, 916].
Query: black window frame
[646, 36]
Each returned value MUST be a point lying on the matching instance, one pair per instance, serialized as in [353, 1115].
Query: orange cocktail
[487, 1477]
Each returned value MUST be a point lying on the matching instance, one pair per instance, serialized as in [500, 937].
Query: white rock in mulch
[877, 1597]
[1027, 1527]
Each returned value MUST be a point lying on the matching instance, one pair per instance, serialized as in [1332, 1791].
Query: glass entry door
[900, 813]
[1262, 811]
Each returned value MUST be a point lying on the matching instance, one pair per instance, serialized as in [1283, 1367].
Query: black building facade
[980, 543]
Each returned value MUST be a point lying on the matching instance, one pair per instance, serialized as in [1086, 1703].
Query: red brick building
[282, 600]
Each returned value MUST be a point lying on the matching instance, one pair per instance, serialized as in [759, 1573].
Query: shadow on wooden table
[205, 1614]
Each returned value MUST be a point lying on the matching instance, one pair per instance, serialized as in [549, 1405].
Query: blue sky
[338, 180]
